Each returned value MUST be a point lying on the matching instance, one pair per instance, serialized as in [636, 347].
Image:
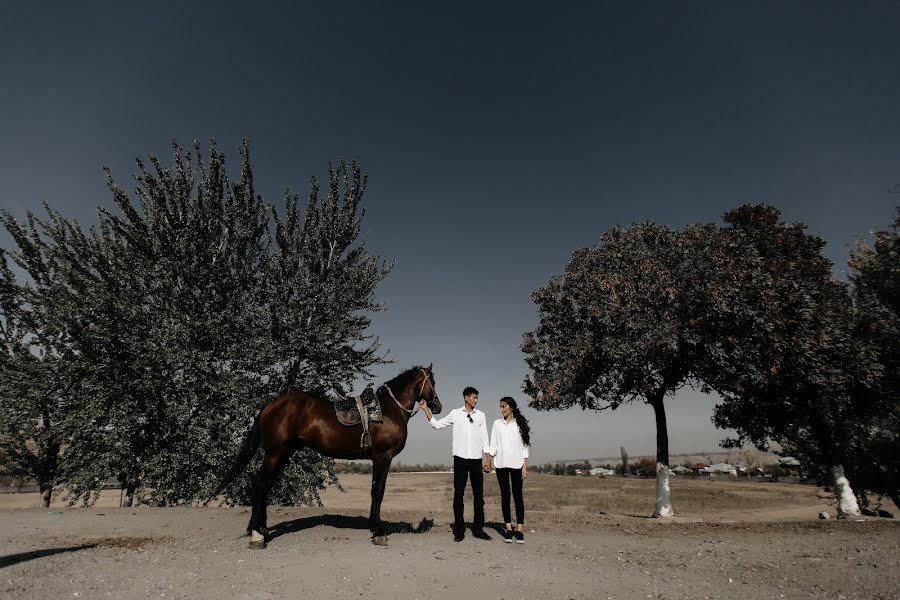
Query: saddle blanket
[348, 414]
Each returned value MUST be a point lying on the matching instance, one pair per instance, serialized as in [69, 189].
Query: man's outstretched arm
[445, 422]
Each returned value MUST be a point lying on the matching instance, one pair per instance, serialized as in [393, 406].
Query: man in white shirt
[470, 444]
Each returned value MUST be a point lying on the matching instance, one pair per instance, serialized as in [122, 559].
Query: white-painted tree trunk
[846, 500]
[663, 495]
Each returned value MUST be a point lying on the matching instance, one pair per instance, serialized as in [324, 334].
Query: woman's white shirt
[507, 447]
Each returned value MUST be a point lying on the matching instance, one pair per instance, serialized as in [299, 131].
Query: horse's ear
[428, 368]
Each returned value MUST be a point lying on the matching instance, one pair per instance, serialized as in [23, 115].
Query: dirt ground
[586, 538]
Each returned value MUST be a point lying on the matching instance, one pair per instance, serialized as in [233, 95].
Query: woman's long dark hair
[521, 421]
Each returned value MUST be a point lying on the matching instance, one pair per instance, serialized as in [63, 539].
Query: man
[470, 444]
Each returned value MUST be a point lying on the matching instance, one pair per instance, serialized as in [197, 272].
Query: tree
[194, 305]
[624, 322]
[624, 453]
[873, 459]
[30, 390]
[794, 374]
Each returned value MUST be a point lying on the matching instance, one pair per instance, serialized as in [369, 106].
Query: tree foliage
[624, 322]
[189, 306]
[873, 456]
[29, 392]
[750, 310]
[792, 374]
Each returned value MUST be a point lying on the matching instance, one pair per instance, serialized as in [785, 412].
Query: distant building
[791, 466]
[721, 469]
[601, 472]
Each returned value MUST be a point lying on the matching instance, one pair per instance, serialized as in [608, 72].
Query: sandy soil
[586, 538]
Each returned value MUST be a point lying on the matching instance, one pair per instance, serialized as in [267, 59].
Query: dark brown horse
[296, 420]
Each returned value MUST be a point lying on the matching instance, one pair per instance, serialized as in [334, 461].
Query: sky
[498, 137]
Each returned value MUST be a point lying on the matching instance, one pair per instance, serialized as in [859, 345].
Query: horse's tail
[248, 450]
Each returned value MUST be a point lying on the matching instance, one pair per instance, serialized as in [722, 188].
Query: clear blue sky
[499, 137]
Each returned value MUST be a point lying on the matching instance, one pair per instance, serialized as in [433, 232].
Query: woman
[510, 438]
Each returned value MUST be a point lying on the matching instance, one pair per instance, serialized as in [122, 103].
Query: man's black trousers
[464, 468]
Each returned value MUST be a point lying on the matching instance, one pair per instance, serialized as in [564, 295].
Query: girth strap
[366, 440]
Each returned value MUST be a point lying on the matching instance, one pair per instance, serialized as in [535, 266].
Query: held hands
[487, 465]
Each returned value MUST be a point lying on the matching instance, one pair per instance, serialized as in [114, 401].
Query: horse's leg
[272, 465]
[381, 464]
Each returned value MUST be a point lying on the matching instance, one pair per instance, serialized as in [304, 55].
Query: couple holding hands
[506, 451]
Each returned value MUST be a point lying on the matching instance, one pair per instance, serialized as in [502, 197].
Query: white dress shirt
[470, 439]
[507, 447]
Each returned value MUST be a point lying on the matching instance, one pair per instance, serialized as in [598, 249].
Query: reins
[415, 408]
[406, 410]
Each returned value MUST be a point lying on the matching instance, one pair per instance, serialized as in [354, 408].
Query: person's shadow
[345, 522]
[498, 527]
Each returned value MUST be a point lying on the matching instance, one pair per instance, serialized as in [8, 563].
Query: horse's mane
[403, 378]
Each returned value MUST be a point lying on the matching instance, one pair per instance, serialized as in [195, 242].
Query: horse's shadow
[345, 522]
[13, 559]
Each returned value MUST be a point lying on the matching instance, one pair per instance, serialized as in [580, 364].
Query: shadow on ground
[345, 522]
[13, 559]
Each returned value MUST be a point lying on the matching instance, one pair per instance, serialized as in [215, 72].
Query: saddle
[354, 410]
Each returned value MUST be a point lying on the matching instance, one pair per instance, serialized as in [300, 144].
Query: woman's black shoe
[507, 536]
[520, 537]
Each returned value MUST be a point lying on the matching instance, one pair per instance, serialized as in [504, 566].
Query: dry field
[586, 538]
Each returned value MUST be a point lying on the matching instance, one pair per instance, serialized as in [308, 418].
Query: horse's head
[427, 391]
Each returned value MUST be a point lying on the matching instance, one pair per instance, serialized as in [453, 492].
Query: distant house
[699, 469]
[601, 472]
[791, 466]
[721, 469]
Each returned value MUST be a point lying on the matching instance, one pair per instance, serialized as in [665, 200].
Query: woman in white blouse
[510, 438]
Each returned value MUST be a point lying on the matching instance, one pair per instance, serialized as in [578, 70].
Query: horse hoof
[380, 540]
[257, 541]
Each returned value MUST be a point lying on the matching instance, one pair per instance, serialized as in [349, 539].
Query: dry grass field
[586, 538]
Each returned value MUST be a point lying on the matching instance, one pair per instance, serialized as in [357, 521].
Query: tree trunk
[48, 458]
[663, 496]
[46, 493]
[895, 498]
[130, 487]
[846, 500]
[291, 378]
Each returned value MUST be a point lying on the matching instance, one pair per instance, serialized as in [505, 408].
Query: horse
[296, 420]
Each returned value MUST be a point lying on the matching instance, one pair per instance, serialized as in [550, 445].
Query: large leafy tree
[193, 303]
[797, 372]
[625, 322]
[873, 458]
[30, 385]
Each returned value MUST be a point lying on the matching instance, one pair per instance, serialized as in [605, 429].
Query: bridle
[418, 397]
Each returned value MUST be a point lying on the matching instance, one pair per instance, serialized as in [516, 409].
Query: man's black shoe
[480, 534]
[459, 535]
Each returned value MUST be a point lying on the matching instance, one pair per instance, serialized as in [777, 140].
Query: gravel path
[198, 553]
